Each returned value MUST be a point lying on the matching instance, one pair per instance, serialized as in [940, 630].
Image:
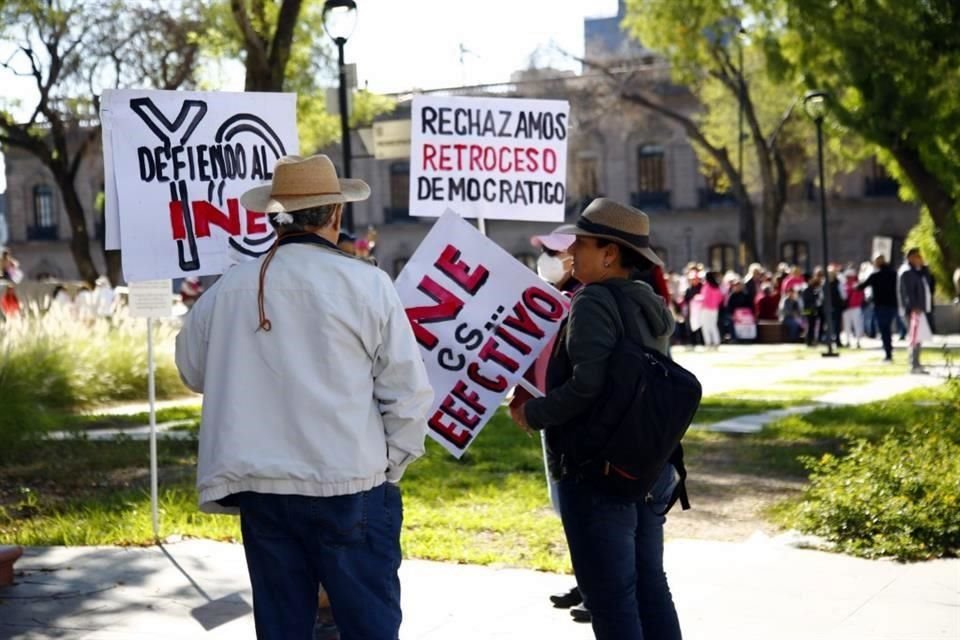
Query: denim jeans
[885, 318]
[617, 550]
[351, 543]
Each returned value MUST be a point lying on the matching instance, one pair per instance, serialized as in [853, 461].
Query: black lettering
[471, 340]
[147, 170]
[562, 126]
[503, 123]
[160, 163]
[202, 162]
[427, 118]
[450, 361]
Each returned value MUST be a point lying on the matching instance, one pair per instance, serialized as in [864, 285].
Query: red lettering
[513, 341]
[205, 214]
[449, 263]
[255, 223]
[448, 308]
[475, 157]
[549, 160]
[532, 159]
[497, 384]
[450, 431]
[523, 322]
[543, 304]
[176, 220]
[459, 414]
[445, 158]
[429, 157]
[504, 164]
[470, 398]
[489, 351]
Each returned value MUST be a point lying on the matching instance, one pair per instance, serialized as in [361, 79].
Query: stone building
[628, 155]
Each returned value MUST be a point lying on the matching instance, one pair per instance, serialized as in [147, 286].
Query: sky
[400, 45]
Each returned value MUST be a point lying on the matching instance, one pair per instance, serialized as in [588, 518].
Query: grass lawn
[490, 507]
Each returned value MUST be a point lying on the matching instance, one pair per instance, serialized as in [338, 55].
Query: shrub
[897, 497]
[53, 362]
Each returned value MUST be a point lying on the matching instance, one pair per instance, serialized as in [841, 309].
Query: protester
[190, 291]
[915, 287]
[616, 544]
[555, 265]
[11, 272]
[767, 304]
[740, 308]
[711, 299]
[883, 284]
[791, 314]
[837, 305]
[315, 397]
[853, 313]
[792, 281]
[811, 298]
[104, 297]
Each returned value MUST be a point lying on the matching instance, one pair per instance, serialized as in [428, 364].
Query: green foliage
[52, 362]
[897, 496]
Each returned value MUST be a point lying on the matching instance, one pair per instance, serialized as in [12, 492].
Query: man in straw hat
[315, 401]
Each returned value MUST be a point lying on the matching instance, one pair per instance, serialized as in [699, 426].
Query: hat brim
[260, 198]
[646, 252]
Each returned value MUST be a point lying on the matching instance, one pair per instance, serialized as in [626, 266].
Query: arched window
[44, 215]
[723, 257]
[796, 252]
[399, 208]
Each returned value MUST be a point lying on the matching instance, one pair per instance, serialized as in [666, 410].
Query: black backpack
[645, 408]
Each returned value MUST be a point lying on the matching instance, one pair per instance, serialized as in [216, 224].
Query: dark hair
[711, 278]
[303, 218]
[629, 259]
[914, 251]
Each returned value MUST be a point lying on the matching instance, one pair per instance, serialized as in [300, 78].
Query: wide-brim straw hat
[604, 218]
[303, 183]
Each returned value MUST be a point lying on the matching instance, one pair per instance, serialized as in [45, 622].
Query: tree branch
[283, 39]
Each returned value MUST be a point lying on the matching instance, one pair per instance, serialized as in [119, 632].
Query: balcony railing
[42, 233]
[650, 200]
[880, 187]
[710, 199]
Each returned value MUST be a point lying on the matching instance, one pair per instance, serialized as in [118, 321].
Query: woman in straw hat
[616, 544]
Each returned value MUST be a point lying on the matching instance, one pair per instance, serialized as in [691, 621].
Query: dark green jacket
[591, 333]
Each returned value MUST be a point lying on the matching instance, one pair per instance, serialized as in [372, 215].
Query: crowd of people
[865, 300]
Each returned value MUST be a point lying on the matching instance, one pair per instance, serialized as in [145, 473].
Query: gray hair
[303, 218]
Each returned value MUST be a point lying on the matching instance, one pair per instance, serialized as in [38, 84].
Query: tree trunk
[114, 267]
[770, 242]
[79, 238]
[748, 231]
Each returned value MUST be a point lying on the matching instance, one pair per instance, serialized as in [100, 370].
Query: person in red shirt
[767, 305]
[853, 313]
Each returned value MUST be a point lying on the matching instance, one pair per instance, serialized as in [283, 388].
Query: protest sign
[176, 163]
[150, 299]
[495, 158]
[480, 317]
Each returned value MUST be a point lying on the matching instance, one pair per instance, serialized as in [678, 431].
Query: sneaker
[919, 371]
[580, 613]
[567, 599]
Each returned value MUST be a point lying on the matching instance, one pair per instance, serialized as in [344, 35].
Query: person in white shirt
[315, 401]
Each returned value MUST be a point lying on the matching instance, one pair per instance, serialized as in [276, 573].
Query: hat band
[306, 195]
[595, 227]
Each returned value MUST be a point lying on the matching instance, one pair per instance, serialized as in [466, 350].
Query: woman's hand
[519, 416]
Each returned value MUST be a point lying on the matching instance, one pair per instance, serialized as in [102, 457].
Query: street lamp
[815, 104]
[339, 20]
[741, 88]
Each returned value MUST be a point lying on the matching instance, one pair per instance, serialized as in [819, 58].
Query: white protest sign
[176, 163]
[494, 158]
[150, 299]
[882, 245]
[481, 319]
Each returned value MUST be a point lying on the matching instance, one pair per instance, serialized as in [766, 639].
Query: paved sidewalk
[762, 589]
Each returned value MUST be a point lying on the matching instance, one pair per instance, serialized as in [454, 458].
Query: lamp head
[339, 19]
[815, 104]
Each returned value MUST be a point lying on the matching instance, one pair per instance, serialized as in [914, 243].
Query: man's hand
[518, 416]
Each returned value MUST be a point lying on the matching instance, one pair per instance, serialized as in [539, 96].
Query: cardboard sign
[150, 299]
[481, 319]
[495, 158]
[176, 163]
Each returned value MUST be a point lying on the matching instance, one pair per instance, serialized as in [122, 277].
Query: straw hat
[303, 183]
[604, 218]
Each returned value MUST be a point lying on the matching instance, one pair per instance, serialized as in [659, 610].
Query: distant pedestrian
[915, 286]
[711, 299]
[883, 284]
[853, 313]
[791, 314]
[812, 299]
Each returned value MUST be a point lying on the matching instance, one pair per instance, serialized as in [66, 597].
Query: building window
[723, 258]
[44, 215]
[796, 252]
[651, 190]
[399, 208]
[878, 183]
[587, 175]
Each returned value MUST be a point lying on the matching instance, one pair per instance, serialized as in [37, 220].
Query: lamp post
[339, 20]
[742, 248]
[815, 104]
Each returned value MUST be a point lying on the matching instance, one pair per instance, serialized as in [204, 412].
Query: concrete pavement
[762, 589]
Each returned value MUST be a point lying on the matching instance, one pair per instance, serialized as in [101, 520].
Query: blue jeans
[885, 318]
[351, 543]
[617, 550]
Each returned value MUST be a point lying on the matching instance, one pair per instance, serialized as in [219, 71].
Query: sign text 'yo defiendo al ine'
[497, 158]
[481, 318]
[176, 163]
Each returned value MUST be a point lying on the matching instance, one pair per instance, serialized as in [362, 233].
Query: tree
[701, 40]
[893, 71]
[70, 50]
